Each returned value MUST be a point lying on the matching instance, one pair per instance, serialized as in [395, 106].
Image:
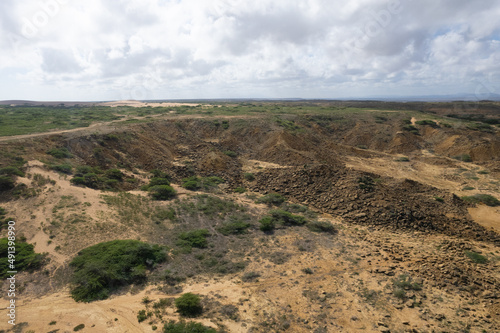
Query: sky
[96, 50]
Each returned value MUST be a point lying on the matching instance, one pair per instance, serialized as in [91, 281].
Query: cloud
[226, 48]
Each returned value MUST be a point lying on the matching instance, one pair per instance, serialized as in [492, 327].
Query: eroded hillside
[370, 231]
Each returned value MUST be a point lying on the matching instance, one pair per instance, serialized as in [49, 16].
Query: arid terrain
[396, 225]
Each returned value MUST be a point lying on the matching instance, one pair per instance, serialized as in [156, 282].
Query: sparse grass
[402, 159]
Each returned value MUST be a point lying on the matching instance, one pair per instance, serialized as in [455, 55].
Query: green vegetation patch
[24, 258]
[237, 225]
[189, 305]
[104, 267]
[194, 238]
[280, 217]
[272, 199]
[486, 199]
[476, 257]
[60, 153]
[195, 183]
[98, 179]
[162, 192]
[186, 327]
[320, 226]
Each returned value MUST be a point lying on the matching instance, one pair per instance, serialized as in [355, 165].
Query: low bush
[366, 183]
[250, 276]
[240, 190]
[463, 158]
[6, 183]
[78, 327]
[63, 168]
[320, 226]
[189, 305]
[11, 171]
[476, 257]
[285, 218]
[194, 238]
[267, 224]
[183, 327]
[237, 224]
[25, 257]
[486, 199]
[230, 153]
[412, 129]
[427, 123]
[104, 267]
[162, 192]
[194, 183]
[249, 176]
[272, 199]
[60, 153]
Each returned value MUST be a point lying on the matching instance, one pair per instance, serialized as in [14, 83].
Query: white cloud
[238, 48]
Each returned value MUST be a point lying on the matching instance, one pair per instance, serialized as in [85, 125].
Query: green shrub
[403, 159]
[249, 176]
[237, 224]
[60, 153]
[307, 270]
[160, 174]
[79, 327]
[438, 199]
[189, 327]
[102, 268]
[194, 183]
[25, 257]
[230, 153]
[366, 183]
[6, 183]
[482, 198]
[11, 171]
[63, 168]
[427, 123]
[412, 129]
[463, 158]
[162, 192]
[476, 257]
[250, 276]
[272, 199]
[267, 224]
[320, 226]
[114, 174]
[141, 316]
[240, 190]
[189, 305]
[468, 188]
[194, 238]
[285, 218]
